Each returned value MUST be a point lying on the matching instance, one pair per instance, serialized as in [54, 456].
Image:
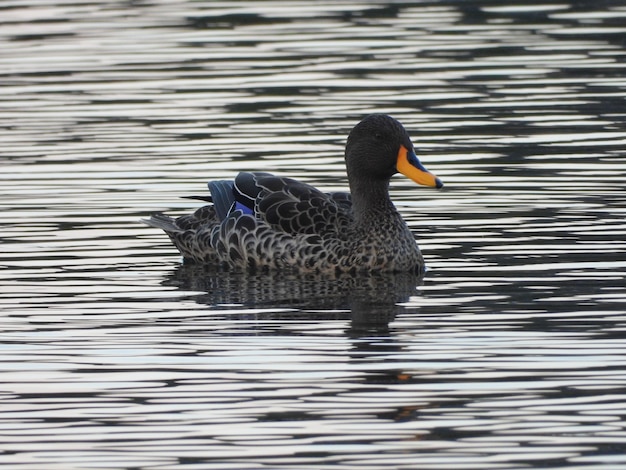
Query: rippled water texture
[510, 353]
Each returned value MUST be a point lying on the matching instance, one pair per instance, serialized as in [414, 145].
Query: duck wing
[293, 207]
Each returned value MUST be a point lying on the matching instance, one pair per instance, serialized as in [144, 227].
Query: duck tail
[163, 222]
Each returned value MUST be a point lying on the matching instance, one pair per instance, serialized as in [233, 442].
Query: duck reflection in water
[368, 301]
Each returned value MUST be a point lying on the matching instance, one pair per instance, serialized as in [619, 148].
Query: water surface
[509, 353]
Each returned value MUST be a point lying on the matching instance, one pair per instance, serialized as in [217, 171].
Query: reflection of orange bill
[409, 165]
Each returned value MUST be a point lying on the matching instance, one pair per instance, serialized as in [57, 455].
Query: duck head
[379, 147]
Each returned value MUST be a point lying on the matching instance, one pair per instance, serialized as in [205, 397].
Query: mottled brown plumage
[280, 223]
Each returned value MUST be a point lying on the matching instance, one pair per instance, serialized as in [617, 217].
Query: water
[508, 354]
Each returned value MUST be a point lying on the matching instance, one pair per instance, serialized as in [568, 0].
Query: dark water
[510, 353]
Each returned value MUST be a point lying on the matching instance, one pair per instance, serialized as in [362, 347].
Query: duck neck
[370, 201]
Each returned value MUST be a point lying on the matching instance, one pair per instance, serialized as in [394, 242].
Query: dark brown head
[378, 147]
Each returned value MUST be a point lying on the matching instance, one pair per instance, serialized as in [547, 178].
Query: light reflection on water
[508, 353]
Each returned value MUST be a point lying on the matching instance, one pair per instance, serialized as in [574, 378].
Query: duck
[260, 221]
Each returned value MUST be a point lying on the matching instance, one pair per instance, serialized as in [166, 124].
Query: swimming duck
[264, 222]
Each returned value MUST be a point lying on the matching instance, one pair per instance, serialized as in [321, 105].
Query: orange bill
[409, 165]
